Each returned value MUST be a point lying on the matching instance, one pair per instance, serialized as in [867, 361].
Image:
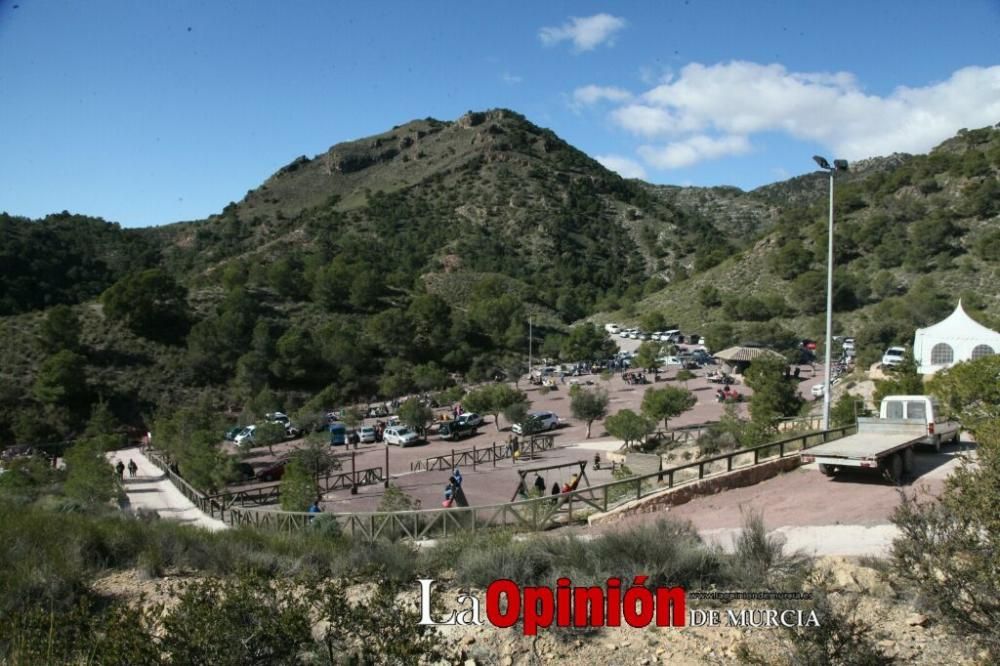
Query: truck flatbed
[876, 438]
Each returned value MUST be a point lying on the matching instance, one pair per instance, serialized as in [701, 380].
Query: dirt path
[151, 490]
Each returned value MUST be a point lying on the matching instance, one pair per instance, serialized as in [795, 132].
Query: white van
[612, 328]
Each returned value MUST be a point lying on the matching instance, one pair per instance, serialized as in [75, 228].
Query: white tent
[956, 338]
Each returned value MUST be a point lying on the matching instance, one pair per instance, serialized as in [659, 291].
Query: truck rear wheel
[908, 461]
[826, 470]
[894, 469]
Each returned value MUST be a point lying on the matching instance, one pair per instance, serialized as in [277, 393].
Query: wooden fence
[484, 455]
[540, 513]
[271, 493]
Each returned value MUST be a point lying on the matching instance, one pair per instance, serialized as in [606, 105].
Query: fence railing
[208, 505]
[691, 433]
[483, 455]
[539, 513]
[271, 493]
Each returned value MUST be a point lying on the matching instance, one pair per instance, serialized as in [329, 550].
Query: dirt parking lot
[492, 485]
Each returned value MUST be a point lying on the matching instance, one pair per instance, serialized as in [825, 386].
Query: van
[338, 434]
[612, 328]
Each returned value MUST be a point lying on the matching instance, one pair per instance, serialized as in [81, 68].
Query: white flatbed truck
[886, 443]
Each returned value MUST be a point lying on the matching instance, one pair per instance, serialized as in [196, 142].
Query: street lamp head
[821, 161]
[840, 165]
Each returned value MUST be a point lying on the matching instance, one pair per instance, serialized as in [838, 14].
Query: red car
[272, 472]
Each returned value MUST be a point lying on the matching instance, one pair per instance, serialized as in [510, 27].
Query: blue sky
[153, 112]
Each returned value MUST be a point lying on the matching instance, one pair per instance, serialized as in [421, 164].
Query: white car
[245, 436]
[669, 360]
[612, 328]
[400, 436]
[817, 391]
[536, 422]
[623, 334]
[470, 419]
[366, 434]
[893, 356]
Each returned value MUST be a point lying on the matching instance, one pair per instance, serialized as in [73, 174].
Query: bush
[947, 551]
[759, 562]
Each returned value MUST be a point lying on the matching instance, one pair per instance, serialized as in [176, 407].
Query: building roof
[745, 354]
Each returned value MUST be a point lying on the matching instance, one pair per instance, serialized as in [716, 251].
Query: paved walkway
[151, 490]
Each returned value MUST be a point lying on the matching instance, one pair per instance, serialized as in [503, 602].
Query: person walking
[132, 468]
[539, 484]
[120, 468]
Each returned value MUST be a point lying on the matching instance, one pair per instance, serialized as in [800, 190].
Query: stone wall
[681, 494]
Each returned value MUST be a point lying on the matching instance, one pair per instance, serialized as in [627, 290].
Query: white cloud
[693, 150]
[738, 99]
[510, 79]
[586, 33]
[593, 94]
[623, 166]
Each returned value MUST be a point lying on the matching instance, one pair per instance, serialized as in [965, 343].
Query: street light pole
[829, 313]
[529, 349]
[838, 165]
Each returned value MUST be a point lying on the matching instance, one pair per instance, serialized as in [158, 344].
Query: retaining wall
[682, 494]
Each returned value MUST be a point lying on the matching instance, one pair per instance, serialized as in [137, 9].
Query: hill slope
[386, 265]
[912, 235]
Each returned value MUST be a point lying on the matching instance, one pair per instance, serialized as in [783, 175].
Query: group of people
[132, 469]
[727, 394]
[540, 486]
[632, 378]
[453, 493]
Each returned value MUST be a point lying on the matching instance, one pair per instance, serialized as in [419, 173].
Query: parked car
[245, 472]
[623, 334]
[893, 356]
[669, 360]
[232, 433]
[453, 430]
[245, 436]
[536, 422]
[470, 419]
[277, 417]
[400, 436]
[611, 328]
[272, 472]
[366, 434]
[817, 391]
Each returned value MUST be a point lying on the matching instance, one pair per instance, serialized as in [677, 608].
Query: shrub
[759, 561]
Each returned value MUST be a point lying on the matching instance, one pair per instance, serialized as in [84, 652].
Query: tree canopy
[666, 403]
